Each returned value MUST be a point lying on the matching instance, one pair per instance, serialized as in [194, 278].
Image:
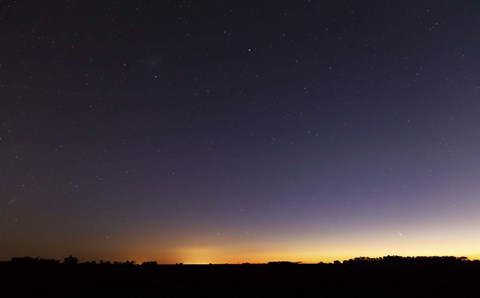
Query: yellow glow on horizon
[305, 250]
[429, 238]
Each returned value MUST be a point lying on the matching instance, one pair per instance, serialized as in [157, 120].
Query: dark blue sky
[226, 131]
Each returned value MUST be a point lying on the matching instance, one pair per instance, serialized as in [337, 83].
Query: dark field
[349, 279]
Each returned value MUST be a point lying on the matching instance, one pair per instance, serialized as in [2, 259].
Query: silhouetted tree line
[408, 260]
[71, 261]
[283, 263]
[423, 276]
[33, 261]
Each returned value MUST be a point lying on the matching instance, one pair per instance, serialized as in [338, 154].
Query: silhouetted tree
[70, 260]
[150, 263]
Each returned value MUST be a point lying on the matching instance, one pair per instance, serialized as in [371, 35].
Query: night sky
[239, 131]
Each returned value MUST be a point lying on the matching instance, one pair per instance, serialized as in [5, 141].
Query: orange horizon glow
[234, 261]
[432, 239]
[211, 255]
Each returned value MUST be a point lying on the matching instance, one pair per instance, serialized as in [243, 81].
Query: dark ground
[350, 279]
